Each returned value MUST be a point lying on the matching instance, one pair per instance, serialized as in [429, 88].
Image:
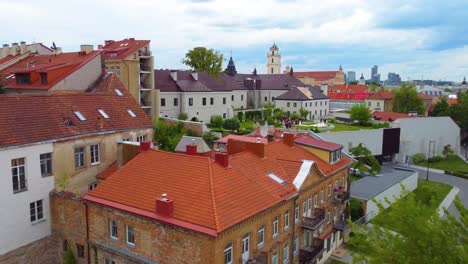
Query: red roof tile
[242, 138]
[452, 101]
[206, 194]
[57, 66]
[312, 142]
[108, 171]
[381, 95]
[317, 75]
[389, 116]
[122, 48]
[348, 88]
[29, 118]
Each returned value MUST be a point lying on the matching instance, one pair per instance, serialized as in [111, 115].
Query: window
[276, 178]
[224, 100]
[242, 97]
[224, 115]
[294, 104]
[18, 174]
[95, 157]
[232, 97]
[322, 197]
[23, 78]
[104, 114]
[325, 102]
[378, 104]
[271, 70]
[211, 101]
[80, 250]
[131, 113]
[288, 104]
[320, 103]
[46, 164]
[163, 101]
[309, 203]
[92, 186]
[316, 200]
[130, 235]
[117, 70]
[261, 236]
[266, 98]
[65, 245]
[272, 98]
[113, 229]
[304, 208]
[274, 258]
[275, 227]
[79, 157]
[108, 261]
[295, 245]
[190, 101]
[204, 101]
[228, 257]
[286, 254]
[36, 211]
[369, 104]
[296, 213]
[79, 115]
[141, 138]
[328, 217]
[286, 220]
[43, 78]
[118, 92]
[329, 190]
[315, 105]
[176, 101]
[272, 59]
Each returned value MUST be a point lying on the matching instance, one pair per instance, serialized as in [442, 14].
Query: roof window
[11, 76]
[118, 92]
[79, 115]
[276, 178]
[103, 113]
[131, 113]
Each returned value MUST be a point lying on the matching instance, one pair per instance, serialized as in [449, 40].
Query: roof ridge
[213, 200]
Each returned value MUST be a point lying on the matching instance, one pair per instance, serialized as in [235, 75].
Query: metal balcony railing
[313, 222]
[340, 197]
[310, 254]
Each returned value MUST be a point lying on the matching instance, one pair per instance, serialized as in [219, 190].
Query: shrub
[216, 120]
[182, 116]
[331, 121]
[240, 116]
[194, 119]
[68, 258]
[190, 133]
[356, 210]
[435, 159]
[418, 158]
[294, 116]
[448, 151]
[231, 124]
[271, 121]
[209, 138]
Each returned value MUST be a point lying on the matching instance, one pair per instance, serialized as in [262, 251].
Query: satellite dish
[264, 130]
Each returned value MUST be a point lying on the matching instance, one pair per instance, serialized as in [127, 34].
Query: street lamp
[427, 160]
[466, 150]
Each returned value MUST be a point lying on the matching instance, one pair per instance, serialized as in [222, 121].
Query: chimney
[100, 46]
[195, 76]
[14, 49]
[4, 51]
[23, 47]
[174, 75]
[145, 146]
[108, 41]
[131, 39]
[86, 48]
[222, 159]
[191, 149]
[164, 206]
[100, 121]
[57, 50]
[288, 139]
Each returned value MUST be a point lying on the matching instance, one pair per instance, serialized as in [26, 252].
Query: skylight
[103, 113]
[276, 178]
[10, 76]
[130, 112]
[79, 115]
[118, 92]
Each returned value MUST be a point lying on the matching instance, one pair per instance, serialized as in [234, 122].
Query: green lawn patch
[342, 127]
[451, 163]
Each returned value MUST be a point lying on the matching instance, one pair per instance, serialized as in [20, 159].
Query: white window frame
[131, 113]
[322, 196]
[79, 115]
[286, 254]
[36, 211]
[118, 92]
[92, 186]
[19, 175]
[129, 231]
[328, 217]
[304, 208]
[316, 200]
[111, 230]
[329, 190]
[108, 261]
[286, 220]
[95, 154]
[295, 245]
[296, 212]
[82, 157]
[47, 163]
[261, 234]
[275, 227]
[103, 113]
[228, 252]
[274, 258]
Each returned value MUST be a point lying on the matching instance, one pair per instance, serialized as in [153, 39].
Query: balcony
[313, 222]
[310, 254]
[144, 53]
[340, 197]
[261, 258]
[340, 225]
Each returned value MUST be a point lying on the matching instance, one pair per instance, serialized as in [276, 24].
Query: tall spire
[341, 68]
[231, 68]
[464, 81]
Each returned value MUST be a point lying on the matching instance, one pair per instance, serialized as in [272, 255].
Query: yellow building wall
[323, 154]
[128, 74]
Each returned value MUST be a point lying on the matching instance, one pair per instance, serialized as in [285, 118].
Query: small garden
[449, 162]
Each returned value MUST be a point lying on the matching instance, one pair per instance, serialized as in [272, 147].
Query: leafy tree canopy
[168, 135]
[441, 108]
[304, 113]
[364, 156]
[406, 99]
[204, 60]
[360, 113]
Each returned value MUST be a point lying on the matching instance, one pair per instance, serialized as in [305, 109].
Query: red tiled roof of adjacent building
[389, 116]
[120, 49]
[307, 140]
[8, 58]
[108, 171]
[207, 197]
[317, 75]
[242, 138]
[452, 101]
[57, 67]
[30, 118]
[381, 95]
[348, 88]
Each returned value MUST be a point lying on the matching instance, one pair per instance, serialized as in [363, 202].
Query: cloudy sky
[412, 37]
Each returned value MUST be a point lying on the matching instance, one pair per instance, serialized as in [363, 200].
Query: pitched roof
[302, 94]
[120, 49]
[317, 75]
[207, 196]
[307, 140]
[57, 67]
[348, 88]
[202, 147]
[381, 95]
[242, 138]
[282, 81]
[452, 101]
[29, 118]
[186, 82]
[389, 116]
[108, 171]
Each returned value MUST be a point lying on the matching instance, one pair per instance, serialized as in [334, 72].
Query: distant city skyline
[418, 38]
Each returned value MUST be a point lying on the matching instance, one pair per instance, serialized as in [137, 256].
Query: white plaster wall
[82, 78]
[314, 106]
[371, 138]
[16, 229]
[375, 105]
[169, 109]
[410, 183]
[417, 132]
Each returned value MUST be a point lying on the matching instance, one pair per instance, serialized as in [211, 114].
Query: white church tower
[273, 65]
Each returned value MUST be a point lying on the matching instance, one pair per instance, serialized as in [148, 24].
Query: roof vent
[164, 206]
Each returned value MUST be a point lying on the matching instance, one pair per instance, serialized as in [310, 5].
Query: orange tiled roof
[57, 68]
[381, 95]
[108, 171]
[29, 118]
[122, 48]
[310, 141]
[452, 101]
[205, 194]
[348, 88]
[8, 58]
[389, 116]
[241, 138]
[317, 75]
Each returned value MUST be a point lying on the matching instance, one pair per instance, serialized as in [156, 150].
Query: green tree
[68, 258]
[361, 114]
[304, 113]
[294, 116]
[406, 99]
[441, 108]
[458, 111]
[201, 59]
[216, 121]
[168, 135]
[353, 83]
[448, 150]
[279, 113]
[210, 138]
[364, 156]
[231, 124]
[421, 236]
[182, 116]
[269, 107]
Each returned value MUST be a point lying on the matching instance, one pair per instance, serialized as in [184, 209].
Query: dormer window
[104, 114]
[335, 156]
[23, 78]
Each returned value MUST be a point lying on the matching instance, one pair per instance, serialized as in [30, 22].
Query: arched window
[272, 60]
[273, 52]
[228, 257]
[271, 70]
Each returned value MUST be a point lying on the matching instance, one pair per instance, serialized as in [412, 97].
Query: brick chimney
[235, 146]
[164, 206]
[86, 48]
[288, 139]
[222, 159]
[191, 149]
[145, 146]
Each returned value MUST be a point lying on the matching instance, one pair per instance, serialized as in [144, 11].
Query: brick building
[282, 202]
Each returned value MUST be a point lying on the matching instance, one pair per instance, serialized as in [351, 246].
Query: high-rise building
[351, 76]
[375, 76]
[273, 65]
[393, 78]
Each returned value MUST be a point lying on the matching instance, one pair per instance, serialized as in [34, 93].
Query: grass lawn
[333, 261]
[451, 163]
[341, 127]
